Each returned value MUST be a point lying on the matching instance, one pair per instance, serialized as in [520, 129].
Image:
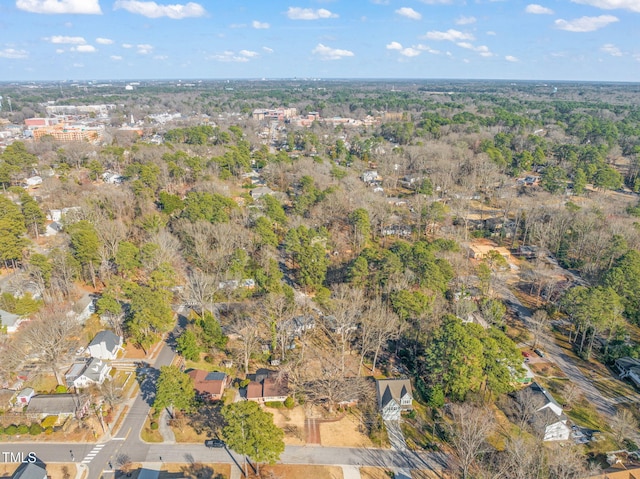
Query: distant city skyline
[577, 40]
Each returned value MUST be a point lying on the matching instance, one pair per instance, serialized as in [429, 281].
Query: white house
[629, 368]
[82, 375]
[9, 321]
[394, 396]
[549, 420]
[24, 396]
[105, 345]
[33, 181]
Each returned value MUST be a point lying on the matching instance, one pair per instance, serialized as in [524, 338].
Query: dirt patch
[198, 469]
[291, 421]
[343, 433]
[547, 370]
[131, 351]
[282, 471]
[375, 473]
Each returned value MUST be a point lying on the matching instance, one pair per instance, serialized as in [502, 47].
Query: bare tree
[50, 337]
[525, 405]
[250, 332]
[378, 325]
[523, 458]
[347, 306]
[468, 431]
[539, 328]
[567, 463]
[622, 424]
[200, 289]
[111, 392]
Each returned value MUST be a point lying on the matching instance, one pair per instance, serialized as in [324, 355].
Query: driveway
[396, 438]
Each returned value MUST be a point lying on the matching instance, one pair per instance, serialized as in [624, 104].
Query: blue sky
[590, 40]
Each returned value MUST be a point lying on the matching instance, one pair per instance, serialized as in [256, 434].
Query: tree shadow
[147, 379]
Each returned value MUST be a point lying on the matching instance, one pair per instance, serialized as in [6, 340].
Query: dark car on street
[214, 443]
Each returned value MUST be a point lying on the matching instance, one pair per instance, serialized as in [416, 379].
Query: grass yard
[614, 388]
[188, 434]
[282, 471]
[291, 421]
[375, 473]
[343, 433]
[149, 435]
[546, 370]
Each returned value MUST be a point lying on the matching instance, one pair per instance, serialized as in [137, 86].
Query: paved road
[604, 405]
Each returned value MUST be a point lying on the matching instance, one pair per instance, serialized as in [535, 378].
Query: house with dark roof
[209, 385]
[394, 397]
[31, 470]
[267, 386]
[62, 405]
[105, 345]
[629, 368]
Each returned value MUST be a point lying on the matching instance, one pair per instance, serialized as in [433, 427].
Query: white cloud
[585, 24]
[230, 56]
[104, 41]
[13, 53]
[116, 58]
[483, 50]
[153, 10]
[511, 58]
[260, 25]
[409, 12]
[160, 57]
[462, 20]
[127, 45]
[84, 49]
[394, 46]
[66, 40]
[611, 49]
[632, 5]
[428, 49]
[437, 2]
[536, 9]
[267, 49]
[78, 65]
[492, 33]
[90, 7]
[297, 13]
[144, 48]
[410, 52]
[328, 53]
[59, 51]
[238, 25]
[451, 35]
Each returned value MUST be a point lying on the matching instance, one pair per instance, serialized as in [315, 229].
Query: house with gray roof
[549, 421]
[629, 368]
[62, 405]
[82, 375]
[31, 470]
[394, 397]
[10, 322]
[105, 345]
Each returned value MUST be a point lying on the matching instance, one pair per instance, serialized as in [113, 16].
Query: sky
[574, 40]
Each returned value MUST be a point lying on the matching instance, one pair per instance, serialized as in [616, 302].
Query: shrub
[244, 383]
[48, 430]
[49, 421]
[274, 404]
[1, 430]
[289, 403]
[209, 359]
[35, 429]
[11, 430]
[61, 389]
[23, 429]
[154, 426]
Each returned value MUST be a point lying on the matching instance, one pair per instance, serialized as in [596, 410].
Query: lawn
[202, 470]
[57, 470]
[149, 435]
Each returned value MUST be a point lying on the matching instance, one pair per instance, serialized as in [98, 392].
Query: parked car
[526, 354]
[539, 353]
[214, 443]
